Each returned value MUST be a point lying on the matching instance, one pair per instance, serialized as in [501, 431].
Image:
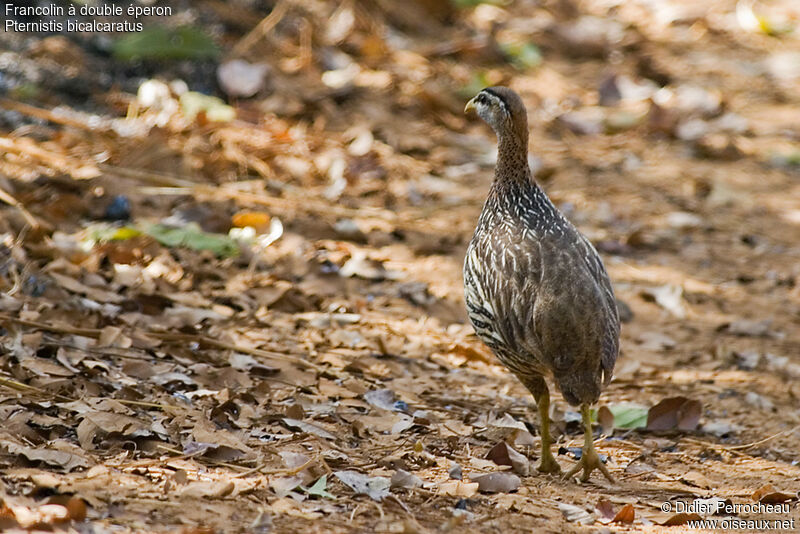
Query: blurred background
[235, 234]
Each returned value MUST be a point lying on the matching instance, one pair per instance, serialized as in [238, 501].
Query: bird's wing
[508, 268]
[611, 329]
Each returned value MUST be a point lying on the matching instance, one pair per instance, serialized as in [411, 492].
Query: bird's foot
[589, 462]
[548, 464]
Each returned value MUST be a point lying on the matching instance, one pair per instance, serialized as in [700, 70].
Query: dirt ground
[318, 374]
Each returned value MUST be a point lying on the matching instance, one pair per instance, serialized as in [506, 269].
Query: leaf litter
[229, 304]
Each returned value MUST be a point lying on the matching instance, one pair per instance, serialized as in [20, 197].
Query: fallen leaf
[681, 519]
[320, 488]
[655, 341]
[503, 454]
[210, 490]
[63, 459]
[385, 400]
[576, 514]
[455, 472]
[103, 423]
[76, 507]
[605, 511]
[606, 419]
[458, 488]
[628, 415]
[377, 488]
[192, 237]
[308, 428]
[404, 479]
[498, 482]
[720, 428]
[674, 413]
[626, 514]
[748, 328]
[669, 297]
[239, 78]
[767, 494]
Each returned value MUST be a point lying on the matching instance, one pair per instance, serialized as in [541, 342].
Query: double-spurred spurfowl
[536, 290]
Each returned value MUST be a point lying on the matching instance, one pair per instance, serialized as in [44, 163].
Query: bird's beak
[470, 106]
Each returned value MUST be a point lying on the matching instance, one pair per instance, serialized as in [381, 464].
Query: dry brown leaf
[626, 514]
[457, 488]
[64, 459]
[767, 494]
[498, 482]
[503, 454]
[674, 413]
[681, 519]
[210, 490]
[605, 511]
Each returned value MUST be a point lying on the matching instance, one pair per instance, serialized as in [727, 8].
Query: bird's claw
[589, 462]
[549, 465]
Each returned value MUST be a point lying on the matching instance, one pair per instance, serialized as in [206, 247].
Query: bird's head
[503, 110]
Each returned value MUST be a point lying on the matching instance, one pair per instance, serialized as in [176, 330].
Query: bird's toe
[549, 465]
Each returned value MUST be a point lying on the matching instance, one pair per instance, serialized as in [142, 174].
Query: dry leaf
[404, 479]
[626, 515]
[576, 514]
[458, 488]
[498, 482]
[503, 454]
[767, 494]
[674, 413]
[681, 519]
[376, 487]
[209, 490]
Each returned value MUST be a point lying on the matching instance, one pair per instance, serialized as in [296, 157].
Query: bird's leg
[538, 387]
[548, 463]
[589, 459]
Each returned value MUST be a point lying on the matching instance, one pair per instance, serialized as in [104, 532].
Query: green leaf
[191, 236]
[215, 109]
[629, 415]
[522, 56]
[478, 81]
[124, 233]
[157, 42]
[320, 488]
[99, 233]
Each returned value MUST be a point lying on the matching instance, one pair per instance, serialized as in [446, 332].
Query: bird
[536, 290]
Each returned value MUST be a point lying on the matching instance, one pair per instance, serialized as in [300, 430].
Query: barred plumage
[536, 290]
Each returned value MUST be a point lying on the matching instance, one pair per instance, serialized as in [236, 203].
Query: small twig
[19, 386]
[76, 169]
[353, 513]
[65, 329]
[164, 407]
[154, 177]
[380, 509]
[203, 340]
[759, 442]
[44, 114]
[199, 456]
[6, 197]
[284, 471]
[636, 475]
[270, 21]
[735, 448]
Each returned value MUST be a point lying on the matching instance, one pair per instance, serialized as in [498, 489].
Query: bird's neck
[512, 160]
